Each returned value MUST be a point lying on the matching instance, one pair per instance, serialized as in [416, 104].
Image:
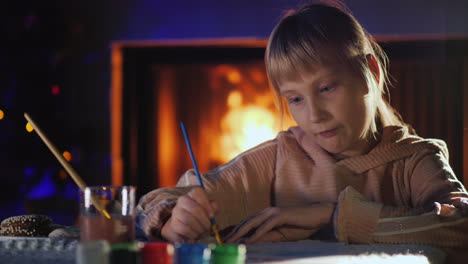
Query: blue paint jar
[192, 254]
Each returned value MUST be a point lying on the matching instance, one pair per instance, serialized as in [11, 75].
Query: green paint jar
[228, 254]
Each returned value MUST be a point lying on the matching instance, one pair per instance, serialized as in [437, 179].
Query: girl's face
[331, 105]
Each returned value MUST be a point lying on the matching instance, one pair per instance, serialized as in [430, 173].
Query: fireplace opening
[220, 91]
[227, 108]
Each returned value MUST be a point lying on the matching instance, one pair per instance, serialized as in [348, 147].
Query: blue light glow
[29, 172]
[45, 188]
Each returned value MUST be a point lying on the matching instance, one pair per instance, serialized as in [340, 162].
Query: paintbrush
[200, 181]
[74, 175]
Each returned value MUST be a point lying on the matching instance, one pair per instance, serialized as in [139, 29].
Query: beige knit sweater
[402, 191]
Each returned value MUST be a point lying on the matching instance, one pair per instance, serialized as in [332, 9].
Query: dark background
[64, 46]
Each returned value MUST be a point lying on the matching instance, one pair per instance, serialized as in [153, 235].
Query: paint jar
[157, 253]
[228, 254]
[192, 254]
[125, 253]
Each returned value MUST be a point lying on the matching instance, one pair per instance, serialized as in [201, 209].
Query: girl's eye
[294, 100]
[326, 89]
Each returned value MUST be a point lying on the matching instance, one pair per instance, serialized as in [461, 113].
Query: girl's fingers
[239, 231]
[172, 232]
[246, 226]
[181, 228]
[199, 195]
[190, 217]
[192, 214]
[235, 230]
[271, 236]
[266, 227]
[215, 206]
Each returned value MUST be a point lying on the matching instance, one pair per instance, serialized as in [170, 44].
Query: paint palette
[37, 250]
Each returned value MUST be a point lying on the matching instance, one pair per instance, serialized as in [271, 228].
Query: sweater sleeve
[438, 215]
[241, 187]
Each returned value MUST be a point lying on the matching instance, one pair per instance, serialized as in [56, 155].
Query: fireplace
[219, 89]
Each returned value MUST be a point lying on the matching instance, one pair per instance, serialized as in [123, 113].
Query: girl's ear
[373, 66]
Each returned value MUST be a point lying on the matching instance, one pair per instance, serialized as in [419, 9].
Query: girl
[351, 165]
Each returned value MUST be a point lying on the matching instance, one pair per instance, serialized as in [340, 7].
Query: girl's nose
[316, 113]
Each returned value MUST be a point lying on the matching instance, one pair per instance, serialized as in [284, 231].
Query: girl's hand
[273, 223]
[190, 217]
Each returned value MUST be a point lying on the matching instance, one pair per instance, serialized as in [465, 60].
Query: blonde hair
[324, 34]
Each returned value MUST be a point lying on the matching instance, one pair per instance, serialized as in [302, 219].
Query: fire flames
[247, 123]
[244, 126]
[238, 114]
